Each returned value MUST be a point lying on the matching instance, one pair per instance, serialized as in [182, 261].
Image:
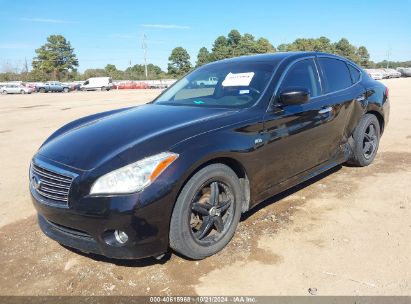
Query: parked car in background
[15, 89]
[405, 72]
[53, 86]
[375, 74]
[392, 73]
[97, 83]
[211, 81]
[179, 171]
[385, 74]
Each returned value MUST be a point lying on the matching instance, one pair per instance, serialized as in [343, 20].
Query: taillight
[386, 92]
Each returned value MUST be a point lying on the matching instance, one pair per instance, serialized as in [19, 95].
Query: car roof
[275, 57]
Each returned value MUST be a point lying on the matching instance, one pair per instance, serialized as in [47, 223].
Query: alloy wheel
[212, 211]
[370, 141]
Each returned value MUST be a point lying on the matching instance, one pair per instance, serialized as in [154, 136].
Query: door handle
[325, 110]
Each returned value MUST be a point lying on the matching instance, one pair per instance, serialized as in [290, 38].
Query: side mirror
[294, 96]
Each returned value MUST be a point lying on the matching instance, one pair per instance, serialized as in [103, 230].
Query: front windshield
[226, 84]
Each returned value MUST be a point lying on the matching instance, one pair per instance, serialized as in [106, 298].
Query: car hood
[128, 135]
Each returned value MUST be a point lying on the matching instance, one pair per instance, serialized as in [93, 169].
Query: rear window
[336, 74]
[355, 73]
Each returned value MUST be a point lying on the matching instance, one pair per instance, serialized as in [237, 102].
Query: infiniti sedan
[179, 171]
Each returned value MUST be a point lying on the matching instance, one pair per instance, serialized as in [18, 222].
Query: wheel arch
[234, 165]
[379, 117]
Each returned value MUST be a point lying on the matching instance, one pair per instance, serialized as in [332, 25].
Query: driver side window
[302, 74]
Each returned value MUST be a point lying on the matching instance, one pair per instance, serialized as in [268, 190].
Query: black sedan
[179, 171]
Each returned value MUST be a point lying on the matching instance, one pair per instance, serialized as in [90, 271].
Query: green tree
[56, 57]
[94, 73]
[363, 56]
[137, 72]
[179, 62]
[110, 68]
[203, 57]
[234, 38]
[221, 49]
[346, 49]
[264, 46]
[236, 44]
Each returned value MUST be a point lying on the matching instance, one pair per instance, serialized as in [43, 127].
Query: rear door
[343, 96]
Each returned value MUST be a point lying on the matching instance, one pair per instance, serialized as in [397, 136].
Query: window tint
[355, 73]
[336, 74]
[302, 74]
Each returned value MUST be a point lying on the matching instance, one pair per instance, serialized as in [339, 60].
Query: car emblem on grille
[36, 183]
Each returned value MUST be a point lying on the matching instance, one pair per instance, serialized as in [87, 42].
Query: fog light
[121, 236]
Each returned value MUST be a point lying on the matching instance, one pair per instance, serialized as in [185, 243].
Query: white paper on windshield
[238, 80]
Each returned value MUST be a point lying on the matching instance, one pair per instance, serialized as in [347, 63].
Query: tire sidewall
[181, 237]
[359, 137]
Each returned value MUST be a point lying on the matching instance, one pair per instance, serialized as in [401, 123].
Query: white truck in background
[97, 83]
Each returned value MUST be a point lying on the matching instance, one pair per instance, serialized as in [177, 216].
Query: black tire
[103, 89]
[66, 90]
[182, 237]
[4, 92]
[42, 90]
[22, 92]
[366, 141]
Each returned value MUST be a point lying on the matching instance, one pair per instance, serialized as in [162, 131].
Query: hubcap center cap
[214, 211]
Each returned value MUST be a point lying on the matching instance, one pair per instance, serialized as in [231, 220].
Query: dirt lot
[347, 232]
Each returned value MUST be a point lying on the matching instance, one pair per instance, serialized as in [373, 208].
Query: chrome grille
[50, 185]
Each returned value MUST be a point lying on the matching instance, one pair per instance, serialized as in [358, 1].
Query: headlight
[134, 177]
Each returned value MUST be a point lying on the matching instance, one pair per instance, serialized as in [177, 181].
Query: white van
[97, 83]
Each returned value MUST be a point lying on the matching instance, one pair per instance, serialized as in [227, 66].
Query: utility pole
[388, 57]
[26, 68]
[144, 47]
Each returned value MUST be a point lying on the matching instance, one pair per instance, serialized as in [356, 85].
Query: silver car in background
[375, 74]
[405, 72]
[15, 89]
[392, 73]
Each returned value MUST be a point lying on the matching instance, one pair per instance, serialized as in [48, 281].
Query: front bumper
[147, 230]
[88, 223]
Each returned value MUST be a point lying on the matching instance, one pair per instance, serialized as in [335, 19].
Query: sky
[103, 32]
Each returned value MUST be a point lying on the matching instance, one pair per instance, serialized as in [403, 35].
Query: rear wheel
[22, 92]
[4, 92]
[65, 90]
[366, 141]
[206, 213]
[42, 90]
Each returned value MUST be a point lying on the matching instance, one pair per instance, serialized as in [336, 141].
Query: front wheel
[206, 213]
[4, 92]
[22, 92]
[65, 90]
[366, 141]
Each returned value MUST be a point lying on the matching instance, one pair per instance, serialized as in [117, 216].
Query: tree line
[56, 60]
